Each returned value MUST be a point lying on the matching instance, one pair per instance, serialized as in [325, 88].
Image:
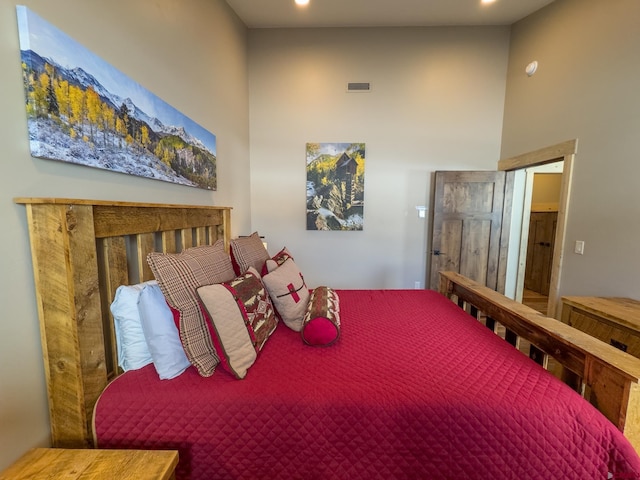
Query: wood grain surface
[72, 464]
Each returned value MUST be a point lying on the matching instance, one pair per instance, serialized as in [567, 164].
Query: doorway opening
[560, 158]
[537, 239]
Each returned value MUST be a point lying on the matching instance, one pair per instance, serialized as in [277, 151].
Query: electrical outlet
[579, 248]
[416, 285]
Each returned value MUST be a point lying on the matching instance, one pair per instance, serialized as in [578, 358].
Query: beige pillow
[289, 293]
[242, 318]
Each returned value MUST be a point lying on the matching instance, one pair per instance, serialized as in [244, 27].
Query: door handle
[544, 244]
[437, 252]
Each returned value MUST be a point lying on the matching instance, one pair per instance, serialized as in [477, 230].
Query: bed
[417, 386]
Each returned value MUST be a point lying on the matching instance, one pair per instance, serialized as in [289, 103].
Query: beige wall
[192, 54]
[436, 103]
[586, 87]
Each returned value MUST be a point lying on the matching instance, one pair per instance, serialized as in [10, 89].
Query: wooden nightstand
[613, 320]
[70, 464]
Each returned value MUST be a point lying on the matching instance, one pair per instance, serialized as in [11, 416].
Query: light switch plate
[579, 248]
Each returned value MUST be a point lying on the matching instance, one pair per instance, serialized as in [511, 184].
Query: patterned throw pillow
[275, 261]
[288, 292]
[179, 275]
[248, 252]
[242, 319]
[321, 323]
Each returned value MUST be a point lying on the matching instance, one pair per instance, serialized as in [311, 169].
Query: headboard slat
[186, 238]
[201, 236]
[115, 272]
[168, 241]
[145, 243]
[212, 235]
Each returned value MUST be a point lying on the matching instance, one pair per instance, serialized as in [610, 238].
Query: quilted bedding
[414, 389]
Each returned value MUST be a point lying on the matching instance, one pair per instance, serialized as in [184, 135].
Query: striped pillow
[179, 276]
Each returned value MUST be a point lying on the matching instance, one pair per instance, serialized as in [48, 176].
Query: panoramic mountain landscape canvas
[82, 110]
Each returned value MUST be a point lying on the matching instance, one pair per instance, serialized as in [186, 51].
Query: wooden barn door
[469, 234]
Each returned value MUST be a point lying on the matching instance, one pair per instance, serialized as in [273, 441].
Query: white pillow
[161, 333]
[133, 352]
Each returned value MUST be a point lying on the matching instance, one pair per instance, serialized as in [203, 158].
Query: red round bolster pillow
[321, 323]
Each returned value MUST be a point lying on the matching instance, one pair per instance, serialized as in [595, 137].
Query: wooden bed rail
[82, 250]
[608, 378]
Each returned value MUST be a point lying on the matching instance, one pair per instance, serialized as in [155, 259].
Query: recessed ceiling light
[302, 2]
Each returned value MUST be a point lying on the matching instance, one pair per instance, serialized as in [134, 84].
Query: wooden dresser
[613, 320]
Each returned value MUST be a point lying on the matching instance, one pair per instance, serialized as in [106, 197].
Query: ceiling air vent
[358, 87]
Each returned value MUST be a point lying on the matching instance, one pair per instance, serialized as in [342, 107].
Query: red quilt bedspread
[414, 389]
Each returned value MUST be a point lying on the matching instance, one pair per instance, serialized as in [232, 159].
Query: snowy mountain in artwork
[73, 117]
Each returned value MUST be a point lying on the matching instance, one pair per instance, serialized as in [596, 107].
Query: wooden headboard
[82, 250]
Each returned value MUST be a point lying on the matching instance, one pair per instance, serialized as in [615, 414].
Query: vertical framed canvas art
[81, 110]
[335, 186]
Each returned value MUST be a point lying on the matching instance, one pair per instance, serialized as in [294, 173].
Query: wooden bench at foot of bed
[607, 377]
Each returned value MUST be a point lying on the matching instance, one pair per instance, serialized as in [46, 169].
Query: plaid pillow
[179, 275]
[248, 252]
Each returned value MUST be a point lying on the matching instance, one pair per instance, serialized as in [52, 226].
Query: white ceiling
[377, 13]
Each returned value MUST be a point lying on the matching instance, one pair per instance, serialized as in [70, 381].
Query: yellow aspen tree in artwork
[94, 110]
[108, 124]
[82, 110]
[62, 94]
[40, 94]
[144, 136]
[76, 100]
